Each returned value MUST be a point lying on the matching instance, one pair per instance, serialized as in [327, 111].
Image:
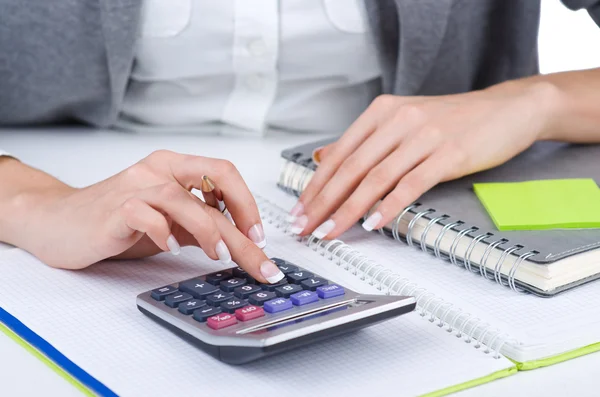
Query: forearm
[22, 190]
[574, 111]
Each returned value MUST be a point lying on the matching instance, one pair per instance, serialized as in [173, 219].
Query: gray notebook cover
[544, 160]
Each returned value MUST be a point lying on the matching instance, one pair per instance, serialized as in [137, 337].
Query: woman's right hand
[143, 210]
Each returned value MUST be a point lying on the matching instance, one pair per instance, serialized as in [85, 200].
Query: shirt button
[257, 48]
[255, 82]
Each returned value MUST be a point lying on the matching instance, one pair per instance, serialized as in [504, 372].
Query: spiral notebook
[450, 223]
[87, 322]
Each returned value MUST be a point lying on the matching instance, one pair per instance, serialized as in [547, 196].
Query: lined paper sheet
[542, 327]
[91, 317]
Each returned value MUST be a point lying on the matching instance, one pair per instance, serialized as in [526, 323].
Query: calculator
[236, 319]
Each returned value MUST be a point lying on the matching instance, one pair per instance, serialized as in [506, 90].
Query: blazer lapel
[120, 20]
[422, 29]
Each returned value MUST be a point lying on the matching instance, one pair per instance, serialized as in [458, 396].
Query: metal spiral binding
[412, 222]
[429, 306]
[294, 176]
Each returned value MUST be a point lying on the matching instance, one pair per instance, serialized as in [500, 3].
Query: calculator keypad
[228, 297]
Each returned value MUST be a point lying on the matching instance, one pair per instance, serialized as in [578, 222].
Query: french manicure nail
[299, 225]
[257, 235]
[372, 221]
[324, 229]
[271, 272]
[296, 211]
[223, 252]
[173, 245]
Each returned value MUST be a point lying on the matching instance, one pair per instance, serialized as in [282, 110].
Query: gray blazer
[70, 60]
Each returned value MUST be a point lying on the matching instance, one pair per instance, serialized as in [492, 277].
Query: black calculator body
[237, 320]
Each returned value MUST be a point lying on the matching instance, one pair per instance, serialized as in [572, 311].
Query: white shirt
[249, 66]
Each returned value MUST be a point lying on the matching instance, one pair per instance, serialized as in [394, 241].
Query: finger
[140, 218]
[190, 213]
[362, 128]
[378, 182]
[189, 171]
[426, 175]
[245, 253]
[354, 169]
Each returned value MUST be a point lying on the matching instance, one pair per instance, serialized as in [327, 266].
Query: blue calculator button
[330, 291]
[312, 283]
[159, 294]
[198, 288]
[174, 300]
[261, 297]
[188, 307]
[286, 290]
[304, 298]
[298, 277]
[277, 305]
[232, 283]
[204, 313]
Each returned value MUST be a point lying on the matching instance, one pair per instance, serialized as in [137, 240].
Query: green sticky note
[542, 205]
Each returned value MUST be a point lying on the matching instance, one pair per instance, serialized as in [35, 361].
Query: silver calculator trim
[360, 306]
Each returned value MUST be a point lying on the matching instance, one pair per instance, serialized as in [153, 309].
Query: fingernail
[324, 229]
[257, 234]
[316, 155]
[372, 221]
[223, 252]
[299, 225]
[296, 211]
[173, 245]
[221, 205]
[271, 272]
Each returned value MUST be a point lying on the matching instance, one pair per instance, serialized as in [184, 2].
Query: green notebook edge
[49, 363]
[475, 382]
[582, 351]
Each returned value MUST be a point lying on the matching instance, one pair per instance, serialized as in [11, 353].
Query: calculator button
[304, 298]
[330, 291]
[217, 298]
[232, 305]
[297, 277]
[245, 291]
[216, 278]
[261, 297]
[249, 313]
[287, 268]
[198, 288]
[277, 305]
[189, 306]
[312, 283]
[231, 284]
[174, 300]
[205, 312]
[241, 273]
[160, 293]
[286, 290]
[221, 321]
[271, 287]
[278, 261]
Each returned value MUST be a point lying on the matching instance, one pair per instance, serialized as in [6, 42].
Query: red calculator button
[249, 313]
[221, 321]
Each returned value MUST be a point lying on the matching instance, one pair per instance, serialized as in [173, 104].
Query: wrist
[24, 193]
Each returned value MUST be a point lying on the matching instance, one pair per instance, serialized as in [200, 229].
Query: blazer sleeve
[592, 7]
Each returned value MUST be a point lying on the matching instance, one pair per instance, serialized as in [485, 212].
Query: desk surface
[59, 152]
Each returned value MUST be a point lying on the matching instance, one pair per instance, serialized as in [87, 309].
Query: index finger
[189, 171]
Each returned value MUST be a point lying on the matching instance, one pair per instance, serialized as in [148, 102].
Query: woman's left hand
[400, 147]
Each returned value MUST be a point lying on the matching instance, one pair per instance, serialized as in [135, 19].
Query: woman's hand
[400, 147]
[146, 209]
